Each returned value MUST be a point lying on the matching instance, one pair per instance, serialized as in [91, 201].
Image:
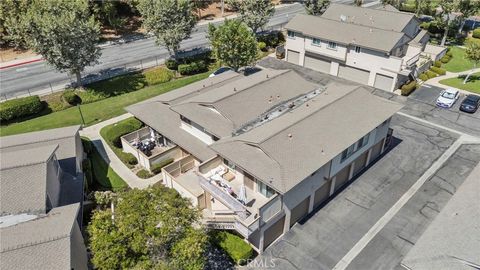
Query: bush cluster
[171, 64]
[272, 39]
[20, 107]
[114, 132]
[157, 168]
[262, 46]
[127, 158]
[439, 71]
[437, 64]
[430, 74]
[192, 68]
[144, 174]
[70, 97]
[423, 77]
[237, 249]
[408, 88]
[476, 33]
[158, 75]
[445, 59]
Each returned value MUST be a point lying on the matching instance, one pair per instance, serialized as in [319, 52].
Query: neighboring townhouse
[376, 47]
[452, 240]
[41, 189]
[258, 153]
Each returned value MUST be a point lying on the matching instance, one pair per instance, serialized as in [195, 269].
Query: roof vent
[204, 86]
[343, 18]
[267, 75]
[234, 89]
[371, 30]
[290, 136]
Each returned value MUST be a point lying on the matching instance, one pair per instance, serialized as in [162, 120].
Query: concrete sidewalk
[436, 81]
[133, 181]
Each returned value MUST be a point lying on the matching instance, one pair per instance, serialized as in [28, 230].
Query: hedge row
[157, 168]
[445, 59]
[437, 64]
[114, 132]
[430, 74]
[144, 174]
[408, 88]
[158, 75]
[192, 68]
[439, 71]
[20, 107]
[237, 249]
[423, 77]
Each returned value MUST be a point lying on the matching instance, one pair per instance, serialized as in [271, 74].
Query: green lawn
[473, 84]
[458, 63]
[98, 111]
[105, 177]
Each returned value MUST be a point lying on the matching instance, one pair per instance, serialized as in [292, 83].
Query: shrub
[437, 64]
[114, 132]
[237, 249]
[262, 46]
[439, 71]
[157, 168]
[16, 108]
[144, 174]
[430, 74]
[192, 68]
[87, 146]
[449, 53]
[445, 59]
[87, 171]
[408, 88]
[127, 158]
[171, 64]
[425, 25]
[280, 37]
[476, 33]
[423, 77]
[70, 97]
[435, 28]
[158, 75]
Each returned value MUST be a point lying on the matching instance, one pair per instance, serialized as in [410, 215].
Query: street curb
[21, 63]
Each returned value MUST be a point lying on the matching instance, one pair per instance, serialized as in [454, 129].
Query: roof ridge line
[35, 243]
[382, 10]
[45, 140]
[308, 115]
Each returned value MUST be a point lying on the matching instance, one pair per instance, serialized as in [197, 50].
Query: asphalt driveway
[325, 237]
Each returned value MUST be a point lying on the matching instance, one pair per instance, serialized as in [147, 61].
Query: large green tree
[154, 228]
[472, 53]
[255, 13]
[13, 23]
[65, 34]
[316, 7]
[467, 8]
[444, 17]
[233, 44]
[171, 21]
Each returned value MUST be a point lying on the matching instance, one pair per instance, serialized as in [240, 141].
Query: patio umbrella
[243, 194]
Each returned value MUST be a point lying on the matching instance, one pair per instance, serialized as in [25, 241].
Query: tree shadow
[473, 78]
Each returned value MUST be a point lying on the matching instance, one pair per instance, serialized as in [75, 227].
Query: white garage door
[353, 74]
[317, 64]
[383, 82]
[293, 57]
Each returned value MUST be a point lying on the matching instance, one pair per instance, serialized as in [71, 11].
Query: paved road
[37, 76]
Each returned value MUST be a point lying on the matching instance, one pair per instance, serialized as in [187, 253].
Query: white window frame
[291, 34]
[316, 44]
[332, 45]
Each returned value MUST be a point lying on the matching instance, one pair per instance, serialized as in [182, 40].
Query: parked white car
[447, 98]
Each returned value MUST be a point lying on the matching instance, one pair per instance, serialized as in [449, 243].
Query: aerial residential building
[41, 199]
[376, 47]
[258, 153]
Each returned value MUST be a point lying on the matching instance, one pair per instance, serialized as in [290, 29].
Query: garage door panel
[383, 82]
[273, 232]
[360, 163]
[342, 177]
[299, 211]
[353, 74]
[293, 57]
[322, 193]
[317, 64]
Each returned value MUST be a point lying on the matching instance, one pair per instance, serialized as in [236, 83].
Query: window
[291, 34]
[186, 120]
[229, 164]
[264, 189]
[357, 49]
[348, 152]
[363, 141]
[332, 45]
[316, 41]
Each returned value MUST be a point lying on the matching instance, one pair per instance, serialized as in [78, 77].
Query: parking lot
[323, 239]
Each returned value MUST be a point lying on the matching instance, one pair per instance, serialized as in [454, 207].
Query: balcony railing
[411, 61]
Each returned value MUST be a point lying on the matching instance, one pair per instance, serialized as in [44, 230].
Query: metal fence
[107, 73]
